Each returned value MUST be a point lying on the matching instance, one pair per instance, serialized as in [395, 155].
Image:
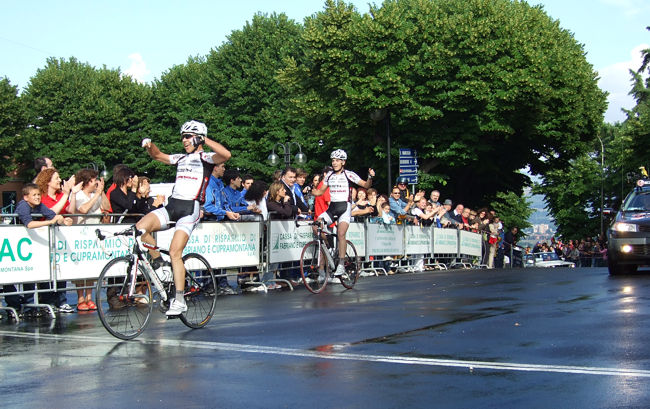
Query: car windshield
[546, 256]
[637, 202]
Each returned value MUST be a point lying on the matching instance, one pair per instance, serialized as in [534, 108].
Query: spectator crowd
[231, 196]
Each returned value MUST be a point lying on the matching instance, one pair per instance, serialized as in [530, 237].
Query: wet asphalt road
[533, 338]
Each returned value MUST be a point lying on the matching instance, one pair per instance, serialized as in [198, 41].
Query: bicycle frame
[137, 255]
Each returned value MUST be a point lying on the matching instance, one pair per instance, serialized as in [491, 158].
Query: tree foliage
[11, 124]
[513, 209]
[79, 114]
[482, 88]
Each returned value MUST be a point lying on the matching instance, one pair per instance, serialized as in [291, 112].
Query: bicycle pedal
[172, 317]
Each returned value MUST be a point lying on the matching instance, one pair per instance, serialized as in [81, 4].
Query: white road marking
[258, 349]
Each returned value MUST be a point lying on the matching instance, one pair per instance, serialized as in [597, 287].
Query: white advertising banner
[445, 241]
[357, 235]
[24, 254]
[222, 244]
[470, 244]
[385, 240]
[418, 239]
[78, 253]
[286, 240]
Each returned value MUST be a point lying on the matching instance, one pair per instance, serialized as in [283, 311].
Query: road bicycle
[128, 287]
[318, 260]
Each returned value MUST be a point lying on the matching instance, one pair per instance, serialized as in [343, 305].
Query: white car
[546, 259]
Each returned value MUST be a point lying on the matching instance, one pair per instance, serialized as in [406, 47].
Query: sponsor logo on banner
[24, 254]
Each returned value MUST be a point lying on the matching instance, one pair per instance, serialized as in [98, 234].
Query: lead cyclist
[193, 169]
[339, 182]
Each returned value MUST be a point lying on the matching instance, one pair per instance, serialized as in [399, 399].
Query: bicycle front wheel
[351, 263]
[124, 311]
[200, 291]
[311, 258]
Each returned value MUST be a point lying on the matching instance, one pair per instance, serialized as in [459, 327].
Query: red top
[322, 202]
[108, 195]
[49, 202]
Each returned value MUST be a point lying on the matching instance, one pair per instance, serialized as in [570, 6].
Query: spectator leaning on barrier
[434, 198]
[61, 199]
[399, 207]
[255, 197]
[91, 199]
[301, 177]
[279, 202]
[26, 208]
[246, 182]
[232, 197]
[213, 208]
[423, 216]
[289, 179]
[143, 203]
[362, 207]
[124, 196]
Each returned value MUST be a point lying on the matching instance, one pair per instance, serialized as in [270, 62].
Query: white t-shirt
[339, 185]
[192, 174]
[81, 199]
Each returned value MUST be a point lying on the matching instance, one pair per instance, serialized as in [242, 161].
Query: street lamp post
[602, 176]
[95, 166]
[377, 116]
[300, 158]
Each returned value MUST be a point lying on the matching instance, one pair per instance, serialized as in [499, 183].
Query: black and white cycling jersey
[339, 184]
[192, 174]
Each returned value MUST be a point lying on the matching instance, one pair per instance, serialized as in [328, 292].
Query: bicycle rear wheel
[124, 312]
[309, 266]
[200, 291]
[351, 264]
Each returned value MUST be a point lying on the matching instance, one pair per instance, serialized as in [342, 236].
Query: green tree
[11, 123]
[78, 114]
[637, 124]
[252, 112]
[482, 88]
[513, 209]
[181, 94]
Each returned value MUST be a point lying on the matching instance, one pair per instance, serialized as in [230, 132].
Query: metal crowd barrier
[72, 253]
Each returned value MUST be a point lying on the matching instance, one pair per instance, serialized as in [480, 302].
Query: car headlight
[626, 227]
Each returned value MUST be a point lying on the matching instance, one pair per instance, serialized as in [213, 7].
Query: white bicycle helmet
[194, 127]
[339, 154]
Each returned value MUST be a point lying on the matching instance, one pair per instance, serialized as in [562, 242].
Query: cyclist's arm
[221, 154]
[155, 153]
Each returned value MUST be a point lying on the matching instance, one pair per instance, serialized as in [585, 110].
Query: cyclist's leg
[152, 222]
[341, 231]
[184, 228]
[176, 248]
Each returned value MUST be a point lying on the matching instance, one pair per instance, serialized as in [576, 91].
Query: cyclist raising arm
[340, 183]
[193, 169]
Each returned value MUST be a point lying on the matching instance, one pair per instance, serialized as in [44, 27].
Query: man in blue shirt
[233, 200]
[214, 207]
[399, 207]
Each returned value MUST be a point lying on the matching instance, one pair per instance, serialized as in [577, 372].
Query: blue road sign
[407, 161]
[408, 170]
[407, 152]
[411, 179]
